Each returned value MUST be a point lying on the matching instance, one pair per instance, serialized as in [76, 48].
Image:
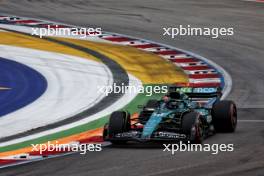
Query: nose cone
[151, 125]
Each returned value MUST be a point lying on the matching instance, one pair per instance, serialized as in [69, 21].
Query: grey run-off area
[240, 55]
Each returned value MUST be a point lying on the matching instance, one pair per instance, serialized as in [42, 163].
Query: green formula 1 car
[185, 113]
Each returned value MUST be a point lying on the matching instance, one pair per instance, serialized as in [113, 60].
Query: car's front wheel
[119, 122]
[192, 126]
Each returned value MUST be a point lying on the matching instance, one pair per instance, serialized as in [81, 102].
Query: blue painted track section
[25, 86]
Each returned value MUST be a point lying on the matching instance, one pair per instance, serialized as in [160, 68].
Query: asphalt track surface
[241, 55]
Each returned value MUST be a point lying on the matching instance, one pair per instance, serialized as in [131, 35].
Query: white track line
[254, 121]
[70, 83]
[117, 105]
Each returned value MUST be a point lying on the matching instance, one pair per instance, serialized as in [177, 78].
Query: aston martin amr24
[184, 114]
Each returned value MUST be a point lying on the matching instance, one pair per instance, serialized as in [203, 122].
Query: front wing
[156, 136]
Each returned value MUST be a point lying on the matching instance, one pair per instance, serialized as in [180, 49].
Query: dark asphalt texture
[240, 55]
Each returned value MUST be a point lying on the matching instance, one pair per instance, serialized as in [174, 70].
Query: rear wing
[197, 92]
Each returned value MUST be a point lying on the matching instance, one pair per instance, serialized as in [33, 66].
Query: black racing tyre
[119, 122]
[192, 126]
[224, 116]
[152, 104]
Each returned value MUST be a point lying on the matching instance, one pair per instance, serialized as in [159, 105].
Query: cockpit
[175, 104]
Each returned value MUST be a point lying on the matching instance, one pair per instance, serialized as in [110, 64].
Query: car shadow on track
[137, 145]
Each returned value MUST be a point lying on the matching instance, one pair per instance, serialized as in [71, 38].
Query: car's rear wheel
[119, 122]
[224, 115]
[192, 126]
